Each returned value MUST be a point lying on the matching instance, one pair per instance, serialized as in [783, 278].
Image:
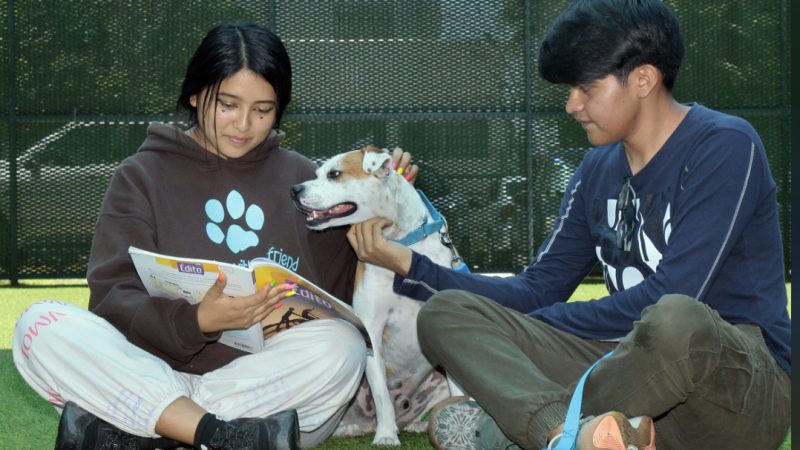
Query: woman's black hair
[592, 39]
[229, 48]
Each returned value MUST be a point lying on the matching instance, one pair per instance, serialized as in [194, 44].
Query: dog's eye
[334, 174]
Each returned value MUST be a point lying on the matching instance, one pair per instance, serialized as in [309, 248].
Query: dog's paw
[350, 430]
[392, 440]
[386, 435]
[416, 427]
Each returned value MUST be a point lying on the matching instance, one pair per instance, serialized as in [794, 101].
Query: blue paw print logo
[235, 237]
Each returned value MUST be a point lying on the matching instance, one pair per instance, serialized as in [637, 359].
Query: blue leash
[569, 436]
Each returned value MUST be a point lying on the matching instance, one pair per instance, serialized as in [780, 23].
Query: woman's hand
[401, 162]
[218, 311]
[367, 240]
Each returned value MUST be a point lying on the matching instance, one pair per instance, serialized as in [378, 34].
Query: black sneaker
[276, 432]
[79, 429]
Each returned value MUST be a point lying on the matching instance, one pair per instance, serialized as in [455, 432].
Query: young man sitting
[677, 204]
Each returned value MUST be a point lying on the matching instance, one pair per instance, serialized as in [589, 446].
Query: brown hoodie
[176, 198]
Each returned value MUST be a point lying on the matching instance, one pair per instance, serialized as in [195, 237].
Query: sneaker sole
[453, 422]
[617, 432]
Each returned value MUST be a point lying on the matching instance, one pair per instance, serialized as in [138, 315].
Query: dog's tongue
[340, 208]
[337, 210]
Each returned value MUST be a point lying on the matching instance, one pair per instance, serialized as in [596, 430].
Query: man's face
[239, 118]
[605, 108]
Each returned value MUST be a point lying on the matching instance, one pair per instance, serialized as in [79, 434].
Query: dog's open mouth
[316, 217]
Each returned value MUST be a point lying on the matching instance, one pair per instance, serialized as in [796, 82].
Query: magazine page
[310, 302]
[188, 278]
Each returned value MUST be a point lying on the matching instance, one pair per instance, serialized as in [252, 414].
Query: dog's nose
[296, 190]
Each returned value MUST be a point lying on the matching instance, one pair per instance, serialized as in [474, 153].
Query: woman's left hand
[401, 162]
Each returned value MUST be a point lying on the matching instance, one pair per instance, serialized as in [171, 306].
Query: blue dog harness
[438, 224]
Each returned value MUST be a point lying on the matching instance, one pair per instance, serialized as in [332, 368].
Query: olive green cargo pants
[708, 384]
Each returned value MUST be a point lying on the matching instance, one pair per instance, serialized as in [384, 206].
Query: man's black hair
[592, 39]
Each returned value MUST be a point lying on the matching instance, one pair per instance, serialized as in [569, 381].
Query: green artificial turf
[29, 422]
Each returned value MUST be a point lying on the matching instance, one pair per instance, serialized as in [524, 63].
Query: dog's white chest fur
[375, 302]
[397, 360]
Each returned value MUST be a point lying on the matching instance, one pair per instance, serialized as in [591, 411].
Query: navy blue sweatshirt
[706, 227]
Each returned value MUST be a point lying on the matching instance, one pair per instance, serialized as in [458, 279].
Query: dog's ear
[377, 163]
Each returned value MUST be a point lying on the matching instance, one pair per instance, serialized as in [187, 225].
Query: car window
[83, 144]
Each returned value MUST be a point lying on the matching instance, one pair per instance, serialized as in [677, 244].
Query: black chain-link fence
[452, 81]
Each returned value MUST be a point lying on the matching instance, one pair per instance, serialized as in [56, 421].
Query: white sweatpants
[65, 353]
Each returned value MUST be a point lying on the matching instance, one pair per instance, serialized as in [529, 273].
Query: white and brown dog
[351, 188]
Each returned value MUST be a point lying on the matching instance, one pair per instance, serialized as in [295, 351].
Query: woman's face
[239, 118]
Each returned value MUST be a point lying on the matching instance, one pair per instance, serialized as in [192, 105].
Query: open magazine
[190, 278]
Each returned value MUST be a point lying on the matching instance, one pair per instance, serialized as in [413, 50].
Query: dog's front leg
[386, 430]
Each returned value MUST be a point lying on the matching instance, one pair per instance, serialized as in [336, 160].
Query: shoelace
[553, 444]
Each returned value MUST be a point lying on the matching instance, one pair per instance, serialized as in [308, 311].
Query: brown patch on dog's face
[352, 163]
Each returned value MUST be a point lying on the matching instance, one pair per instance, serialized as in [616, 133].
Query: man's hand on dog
[370, 246]
[218, 311]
